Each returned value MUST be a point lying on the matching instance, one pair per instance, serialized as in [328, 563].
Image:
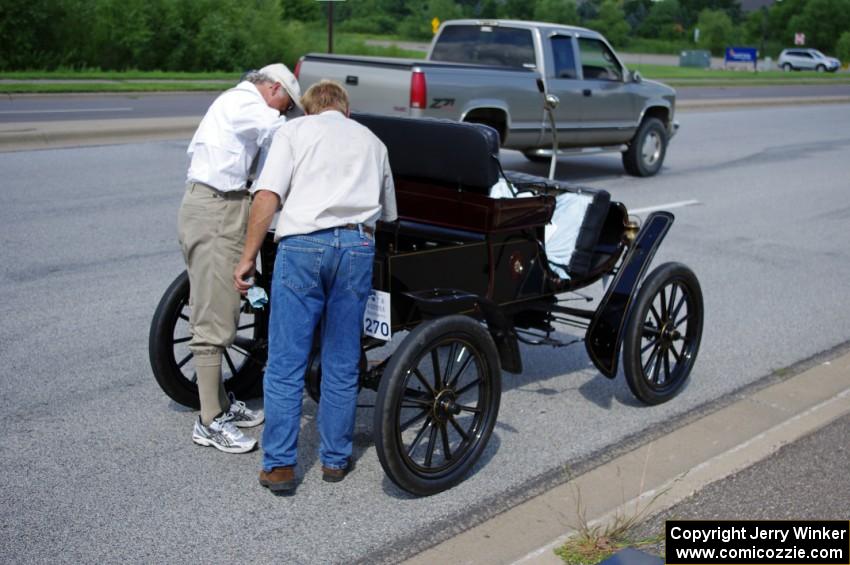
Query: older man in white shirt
[333, 179]
[212, 224]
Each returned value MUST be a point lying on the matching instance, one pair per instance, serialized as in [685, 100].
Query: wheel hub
[651, 148]
[445, 405]
[669, 334]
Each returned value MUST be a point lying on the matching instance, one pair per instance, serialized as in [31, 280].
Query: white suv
[811, 59]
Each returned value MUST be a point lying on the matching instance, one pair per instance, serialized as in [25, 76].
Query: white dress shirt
[328, 171]
[230, 136]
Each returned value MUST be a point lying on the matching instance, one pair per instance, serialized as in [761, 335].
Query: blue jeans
[324, 276]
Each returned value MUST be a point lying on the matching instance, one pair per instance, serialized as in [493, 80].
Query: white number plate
[376, 320]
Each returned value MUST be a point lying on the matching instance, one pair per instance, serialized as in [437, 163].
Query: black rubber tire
[459, 399]
[171, 360]
[652, 130]
[820, 68]
[787, 67]
[655, 364]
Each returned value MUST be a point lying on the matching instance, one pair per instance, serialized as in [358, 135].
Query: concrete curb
[727, 103]
[657, 475]
[23, 136]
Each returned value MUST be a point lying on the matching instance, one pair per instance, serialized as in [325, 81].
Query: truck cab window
[565, 60]
[485, 45]
[597, 61]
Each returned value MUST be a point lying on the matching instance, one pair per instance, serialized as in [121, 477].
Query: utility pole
[331, 23]
[763, 29]
[331, 26]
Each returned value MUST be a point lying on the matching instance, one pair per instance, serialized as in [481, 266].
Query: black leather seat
[460, 154]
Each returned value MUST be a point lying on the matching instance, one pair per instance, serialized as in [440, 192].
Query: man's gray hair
[256, 77]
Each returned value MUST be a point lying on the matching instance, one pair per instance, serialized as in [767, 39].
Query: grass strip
[95, 74]
[778, 77]
[98, 87]
[725, 83]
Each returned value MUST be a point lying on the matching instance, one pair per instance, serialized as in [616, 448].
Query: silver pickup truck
[499, 73]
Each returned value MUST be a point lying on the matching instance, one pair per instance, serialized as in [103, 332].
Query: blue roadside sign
[741, 54]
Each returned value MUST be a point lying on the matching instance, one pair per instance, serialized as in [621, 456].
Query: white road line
[69, 110]
[669, 206]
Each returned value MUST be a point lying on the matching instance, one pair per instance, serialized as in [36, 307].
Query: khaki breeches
[211, 227]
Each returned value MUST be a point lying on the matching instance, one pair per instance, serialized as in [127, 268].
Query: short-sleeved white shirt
[328, 171]
[236, 126]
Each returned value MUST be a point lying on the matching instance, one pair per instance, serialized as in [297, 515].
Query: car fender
[486, 104]
[604, 335]
[655, 104]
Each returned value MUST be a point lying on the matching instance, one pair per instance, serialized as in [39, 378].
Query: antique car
[467, 278]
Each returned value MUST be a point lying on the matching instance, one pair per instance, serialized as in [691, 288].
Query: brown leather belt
[229, 194]
[366, 229]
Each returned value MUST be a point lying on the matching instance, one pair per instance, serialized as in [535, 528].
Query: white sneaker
[244, 417]
[222, 435]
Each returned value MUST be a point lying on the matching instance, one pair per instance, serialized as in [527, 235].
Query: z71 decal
[442, 103]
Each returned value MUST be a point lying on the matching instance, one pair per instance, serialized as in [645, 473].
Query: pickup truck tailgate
[379, 85]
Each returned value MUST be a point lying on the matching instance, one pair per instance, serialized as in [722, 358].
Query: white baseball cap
[279, 73]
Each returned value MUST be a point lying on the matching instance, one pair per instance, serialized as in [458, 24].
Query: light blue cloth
[562, 232]
[257, 297]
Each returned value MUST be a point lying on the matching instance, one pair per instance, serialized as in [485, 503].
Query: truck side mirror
[551, 102]
[635, 77]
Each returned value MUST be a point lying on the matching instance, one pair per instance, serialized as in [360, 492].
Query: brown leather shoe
[331, 475]
[280, 480]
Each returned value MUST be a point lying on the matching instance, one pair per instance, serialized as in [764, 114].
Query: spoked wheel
[437, 404]
[171, 359]
[663, 333]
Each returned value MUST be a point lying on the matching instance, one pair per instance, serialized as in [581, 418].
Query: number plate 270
[376, 319]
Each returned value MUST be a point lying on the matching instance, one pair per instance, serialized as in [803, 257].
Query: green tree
[418, 23]
[842, 48]
[29, 33]
[611, 23]
[823, 22]
[716, 30]
[755, 25]
[122, 34]
[368, 16]
[488, 9]
[589, 10]
[636, 11]
[664, 21]
[693, 8]
[556, 11]
[517, 9]
[779, 16]
[305, 10]
[235, 35]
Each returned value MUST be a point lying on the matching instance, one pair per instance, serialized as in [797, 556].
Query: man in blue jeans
[332, 179]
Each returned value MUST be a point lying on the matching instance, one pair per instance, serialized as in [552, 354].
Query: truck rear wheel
[647, 149]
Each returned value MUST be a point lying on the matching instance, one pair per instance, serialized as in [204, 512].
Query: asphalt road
[36, 108]
[98, 465]
[805, 480]
[39, 108]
